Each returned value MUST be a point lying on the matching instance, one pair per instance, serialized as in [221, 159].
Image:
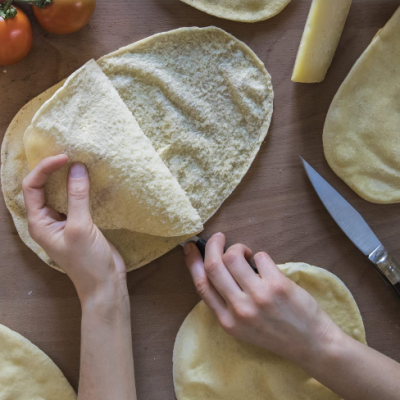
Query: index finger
[216, 270]
[33, 184]
[203, 285]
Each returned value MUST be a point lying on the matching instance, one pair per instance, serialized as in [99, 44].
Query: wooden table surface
[274, 208]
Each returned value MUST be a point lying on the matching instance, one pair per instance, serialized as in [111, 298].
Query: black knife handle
[396, 288]
[201, 245]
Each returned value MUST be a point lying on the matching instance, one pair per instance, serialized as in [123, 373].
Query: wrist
[106, 300]
[328, 347]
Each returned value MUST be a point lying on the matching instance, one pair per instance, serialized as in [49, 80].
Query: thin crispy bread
[203, 99]
[362, 129]
[210, 364]
[240, 10]
[27, 373]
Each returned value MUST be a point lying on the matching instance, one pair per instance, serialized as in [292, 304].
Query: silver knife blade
[345, 215]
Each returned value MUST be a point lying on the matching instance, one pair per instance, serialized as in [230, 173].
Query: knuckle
[201, 286]
[79, 191]
[261, 256]
[245, 312]
[280, 289]
[26, 188]
[33, 231]
[211, 266]
[25, 184]
[262, 300]
[230, 257]
[228, 324]
[238, 248]
[216, 237]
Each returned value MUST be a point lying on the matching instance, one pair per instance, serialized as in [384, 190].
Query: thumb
[78, 195]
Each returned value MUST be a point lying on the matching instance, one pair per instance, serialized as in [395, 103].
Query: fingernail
[77, 170]
[187, 249]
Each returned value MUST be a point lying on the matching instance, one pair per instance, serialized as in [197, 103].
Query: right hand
[74, 243]
[268, 310]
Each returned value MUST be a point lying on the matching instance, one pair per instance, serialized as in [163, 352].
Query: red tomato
[65, 16]
[15, 38]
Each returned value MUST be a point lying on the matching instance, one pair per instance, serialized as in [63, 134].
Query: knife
[356, 229]
[201, 245]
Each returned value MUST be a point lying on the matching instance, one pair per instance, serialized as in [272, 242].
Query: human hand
[74, 243]
[268, 310]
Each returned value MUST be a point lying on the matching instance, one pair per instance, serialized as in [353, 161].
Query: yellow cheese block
[320, 39]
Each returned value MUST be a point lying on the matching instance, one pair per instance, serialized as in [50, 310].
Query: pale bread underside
[362, 129]
[27, 373]
[240, 10]
[208, 363]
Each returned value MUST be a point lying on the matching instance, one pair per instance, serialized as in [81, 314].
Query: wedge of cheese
[320, 39]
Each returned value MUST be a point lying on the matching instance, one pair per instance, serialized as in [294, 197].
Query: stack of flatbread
[167, 127]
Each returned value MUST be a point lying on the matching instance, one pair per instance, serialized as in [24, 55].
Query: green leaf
[7, 11]
[41, 3]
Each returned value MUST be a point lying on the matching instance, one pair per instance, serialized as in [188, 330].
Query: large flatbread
[240, 10]
[210, 364]
[362, 129]
[203, 99]
[137, 249]
[130, 186]
[26, 373]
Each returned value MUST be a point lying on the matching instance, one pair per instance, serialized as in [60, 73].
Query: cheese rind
[320, 39]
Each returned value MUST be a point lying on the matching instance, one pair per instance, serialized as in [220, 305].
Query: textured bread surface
[208, 363]
[202, 98]
[240, 10]
[362, 129]
[130, 186]
[26, 373]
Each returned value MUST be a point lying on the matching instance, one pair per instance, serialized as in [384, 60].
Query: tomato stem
[37, 3]
[7, 10]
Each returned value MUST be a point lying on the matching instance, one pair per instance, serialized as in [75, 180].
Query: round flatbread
[240, 10]
[26, 373]
[203, 99]
[208, 363]
[362, 129]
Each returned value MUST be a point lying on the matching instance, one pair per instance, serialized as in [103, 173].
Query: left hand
[75, 243]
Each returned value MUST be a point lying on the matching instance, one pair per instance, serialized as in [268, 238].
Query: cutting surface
[273, 209]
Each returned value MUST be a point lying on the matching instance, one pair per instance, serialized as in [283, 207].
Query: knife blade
[355, 228]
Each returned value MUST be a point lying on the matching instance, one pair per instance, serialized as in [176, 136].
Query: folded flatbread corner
[131, 188]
